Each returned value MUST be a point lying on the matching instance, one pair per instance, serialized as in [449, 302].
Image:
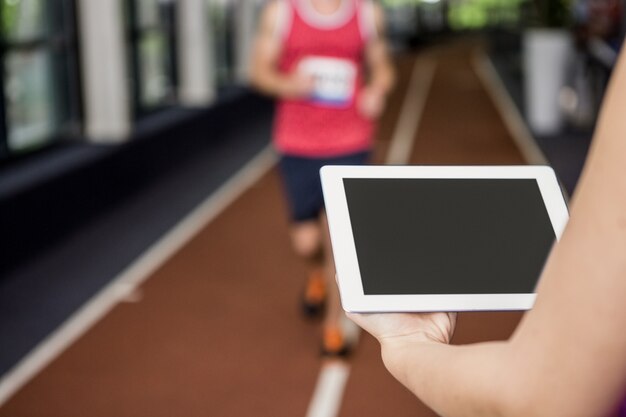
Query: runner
[327, 63]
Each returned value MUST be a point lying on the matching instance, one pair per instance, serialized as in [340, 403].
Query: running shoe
[334, 343]
[314, 297]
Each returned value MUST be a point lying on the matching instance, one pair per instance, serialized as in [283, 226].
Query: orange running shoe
[334, 343]
[314, 298]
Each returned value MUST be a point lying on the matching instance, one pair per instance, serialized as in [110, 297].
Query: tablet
[441, 238]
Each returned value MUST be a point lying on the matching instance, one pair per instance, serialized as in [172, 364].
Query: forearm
[469, 380]
[566, 357]
[381, 69]
[382, 78]
[264, 74]
[270, 82]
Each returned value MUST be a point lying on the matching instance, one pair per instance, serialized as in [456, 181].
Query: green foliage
[476, 14]
[9, 16]
[24, 19]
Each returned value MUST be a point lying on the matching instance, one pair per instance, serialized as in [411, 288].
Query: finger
[355, 317]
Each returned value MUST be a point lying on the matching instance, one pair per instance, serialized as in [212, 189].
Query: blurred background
[119, 117]
[169, 54]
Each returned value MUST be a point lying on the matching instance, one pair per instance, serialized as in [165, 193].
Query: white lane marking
[511, 116]
[331, 383]
[351, 331]
[333, 377]
[124, 286]
[412, 109]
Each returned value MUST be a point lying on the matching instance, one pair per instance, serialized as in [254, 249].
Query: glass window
[223, 24]
[30, 98]
[221, 15]
[148, 13]
[153, 36]
[24, 19]
[155, 77]
[39, 85]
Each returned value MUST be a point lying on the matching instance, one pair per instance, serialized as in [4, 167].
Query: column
[104, 70]
[196, 54]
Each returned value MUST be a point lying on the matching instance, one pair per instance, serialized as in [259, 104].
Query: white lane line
[329, 390]
[333, 377]
[411, 114]
[508, 110]
[124, 286]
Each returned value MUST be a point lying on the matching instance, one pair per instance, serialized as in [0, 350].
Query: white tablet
[441, 238]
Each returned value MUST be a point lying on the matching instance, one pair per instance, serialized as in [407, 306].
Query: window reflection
[153, 52]
[153, 42]
[24, 19]
[221, 22]
[148, 13]
[30, 98]
[38, 81]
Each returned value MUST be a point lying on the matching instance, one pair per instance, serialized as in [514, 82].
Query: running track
[206, 324]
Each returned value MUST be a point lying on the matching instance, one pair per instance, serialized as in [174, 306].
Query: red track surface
[216, 331]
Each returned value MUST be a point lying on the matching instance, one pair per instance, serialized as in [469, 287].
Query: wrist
[294, 87]
[377, 89]
[283, 87]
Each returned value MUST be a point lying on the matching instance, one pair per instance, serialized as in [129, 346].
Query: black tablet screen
[448, 236]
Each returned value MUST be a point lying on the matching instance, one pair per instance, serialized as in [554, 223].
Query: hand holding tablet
[437, 238]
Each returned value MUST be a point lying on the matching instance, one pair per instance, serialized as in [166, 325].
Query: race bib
[334, 80]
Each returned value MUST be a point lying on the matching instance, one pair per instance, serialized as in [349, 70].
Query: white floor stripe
[328, 394]
[508, 110]
[411, 114]
[124, 286]
[329, 390]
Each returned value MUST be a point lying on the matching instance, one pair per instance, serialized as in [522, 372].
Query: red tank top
[328, 123]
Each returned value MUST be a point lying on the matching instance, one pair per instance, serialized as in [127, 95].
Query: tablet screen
[448, 236]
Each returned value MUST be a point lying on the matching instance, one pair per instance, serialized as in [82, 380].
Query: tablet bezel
[348, 276]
